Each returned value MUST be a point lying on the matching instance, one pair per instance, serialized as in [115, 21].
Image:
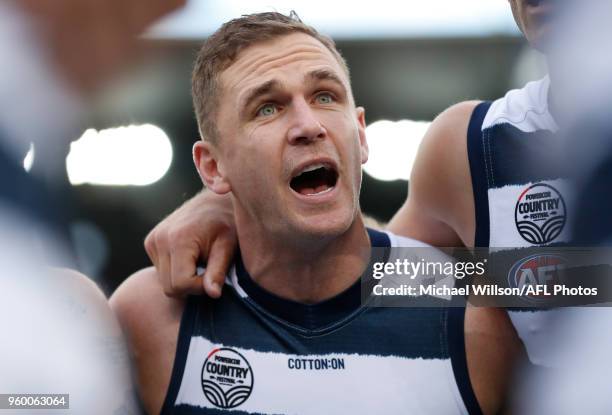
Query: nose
[305, 127]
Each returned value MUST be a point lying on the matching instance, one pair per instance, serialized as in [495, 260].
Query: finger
[219, 258]
[163, 271]
[183, 270]
[187, 286]
[150, 247]
[154, 244]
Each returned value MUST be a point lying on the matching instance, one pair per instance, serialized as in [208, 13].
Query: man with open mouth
[476, 164]
[282, 136]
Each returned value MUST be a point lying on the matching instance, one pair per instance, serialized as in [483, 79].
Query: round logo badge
[540, 214]
[536, 272]
[227, 378]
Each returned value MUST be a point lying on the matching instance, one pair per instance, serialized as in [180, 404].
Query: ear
[363, 142]
[207, 164]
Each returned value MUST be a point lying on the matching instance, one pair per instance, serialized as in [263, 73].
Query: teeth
[318, 191]
[329, 189]
[312, 167]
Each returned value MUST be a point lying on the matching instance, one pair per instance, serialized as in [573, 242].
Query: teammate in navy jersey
[283, 139]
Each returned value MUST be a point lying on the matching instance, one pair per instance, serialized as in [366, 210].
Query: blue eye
[266, 110]
[324, 98]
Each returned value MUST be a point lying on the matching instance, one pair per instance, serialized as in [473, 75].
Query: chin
[329, 225]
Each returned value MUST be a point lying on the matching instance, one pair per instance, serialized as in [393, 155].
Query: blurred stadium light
[355, 19]
[134, 155]
[393, 147]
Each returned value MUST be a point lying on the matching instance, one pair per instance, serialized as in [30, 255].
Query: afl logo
[227, 378]
[540, 214]
[536, 272]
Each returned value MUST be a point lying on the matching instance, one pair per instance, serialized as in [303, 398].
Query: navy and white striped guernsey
[522, 196]
[252, 352]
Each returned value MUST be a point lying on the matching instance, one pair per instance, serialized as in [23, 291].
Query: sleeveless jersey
[521, 196]
[252, 352]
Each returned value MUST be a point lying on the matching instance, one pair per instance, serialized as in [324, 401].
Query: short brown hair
[222, 48]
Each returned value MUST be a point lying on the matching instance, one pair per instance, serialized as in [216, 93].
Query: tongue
[312, 191]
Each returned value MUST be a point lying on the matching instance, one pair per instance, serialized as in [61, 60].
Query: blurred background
[409, 61]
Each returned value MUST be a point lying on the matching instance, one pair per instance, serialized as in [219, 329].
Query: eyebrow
[271, 85]
[325, 75]
[258, 91]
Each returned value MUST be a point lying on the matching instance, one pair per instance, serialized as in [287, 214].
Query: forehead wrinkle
[268, 62]
[281, 47]
[258, 66]
[262, 57]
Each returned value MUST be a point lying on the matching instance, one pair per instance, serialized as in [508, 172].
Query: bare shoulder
[442, 160]
[140, 300]
[151, 322]
[494, 351]
[440, 206]
[452, 122]
[149, 318]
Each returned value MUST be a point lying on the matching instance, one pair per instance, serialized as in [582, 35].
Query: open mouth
[315, 179]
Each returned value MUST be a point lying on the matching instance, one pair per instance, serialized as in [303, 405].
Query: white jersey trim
[322, 393]
[526, 109]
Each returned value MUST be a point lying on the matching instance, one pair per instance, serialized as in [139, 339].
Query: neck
[303, 268]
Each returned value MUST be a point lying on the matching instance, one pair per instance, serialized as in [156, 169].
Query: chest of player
[221, 377]
[376, 361]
